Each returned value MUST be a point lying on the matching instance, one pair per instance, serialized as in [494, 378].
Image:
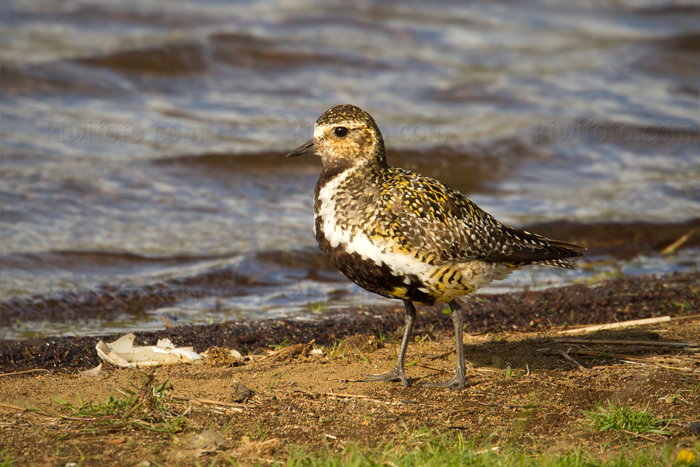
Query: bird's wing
[447, 227]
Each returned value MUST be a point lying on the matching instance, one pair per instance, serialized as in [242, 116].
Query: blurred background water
[142, 142]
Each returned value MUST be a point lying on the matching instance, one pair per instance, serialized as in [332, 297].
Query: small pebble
[241, 393]
[694, 427]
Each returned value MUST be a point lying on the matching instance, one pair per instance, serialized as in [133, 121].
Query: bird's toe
[397, 374]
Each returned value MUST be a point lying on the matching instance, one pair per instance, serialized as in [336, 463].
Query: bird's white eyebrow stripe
[320, 130]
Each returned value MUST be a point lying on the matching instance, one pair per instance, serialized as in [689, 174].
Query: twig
[689, 362]
[236, 407]
[599, 354]
[574, 340]
[356, 396]
[441, 355]
[290, 351]
[45, 413]
[570, 360]
[15, 407]
[641, 436]
[669, 250]
[24, 372]
[684, 317]
[624, 324]
[506, 406]
[345, 394]
[423, 365]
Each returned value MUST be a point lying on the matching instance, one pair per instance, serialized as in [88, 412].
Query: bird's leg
[459, 379]
[398, 372]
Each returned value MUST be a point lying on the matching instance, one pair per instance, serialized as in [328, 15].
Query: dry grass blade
[229, 405]
[13, 407]
[569, 359]
[428, 367]
[678, 356]
[567, 340]
[291, 351]
[356, 396]
[35, 370]
[669, 250]
[621, 325]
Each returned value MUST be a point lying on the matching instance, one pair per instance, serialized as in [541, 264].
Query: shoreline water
[614, 249]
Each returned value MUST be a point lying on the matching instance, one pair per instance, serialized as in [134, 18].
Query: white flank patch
[399, 263]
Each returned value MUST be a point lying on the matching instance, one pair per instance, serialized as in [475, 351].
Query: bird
[406, 236]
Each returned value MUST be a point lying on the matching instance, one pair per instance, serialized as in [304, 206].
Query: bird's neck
[370, 170]
[333, 167]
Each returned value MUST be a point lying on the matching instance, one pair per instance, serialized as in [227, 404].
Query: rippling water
[142, 141]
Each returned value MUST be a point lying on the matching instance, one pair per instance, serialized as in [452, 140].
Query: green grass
[280, 346]
[510, 374]
[622, 418]
[336, 351]
[272, 381]
[146, 406]
[453, 450]
[6, 458]
[365, 359]
[425, 448]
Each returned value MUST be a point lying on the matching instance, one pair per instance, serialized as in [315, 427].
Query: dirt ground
[525, 388]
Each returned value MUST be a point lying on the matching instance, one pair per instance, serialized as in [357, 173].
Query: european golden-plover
[406, 236]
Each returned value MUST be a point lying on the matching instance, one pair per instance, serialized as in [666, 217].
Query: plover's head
[345, 136]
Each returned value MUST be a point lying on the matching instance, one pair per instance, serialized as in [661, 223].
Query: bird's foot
[456, 383]
[397, 374]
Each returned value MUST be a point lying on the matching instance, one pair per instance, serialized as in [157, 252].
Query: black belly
[379, 279]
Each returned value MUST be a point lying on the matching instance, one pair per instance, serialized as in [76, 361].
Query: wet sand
[601, 302]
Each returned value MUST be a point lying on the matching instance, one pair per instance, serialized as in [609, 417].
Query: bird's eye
[340, 131]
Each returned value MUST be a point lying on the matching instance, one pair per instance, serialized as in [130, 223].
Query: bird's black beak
[307, 148]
